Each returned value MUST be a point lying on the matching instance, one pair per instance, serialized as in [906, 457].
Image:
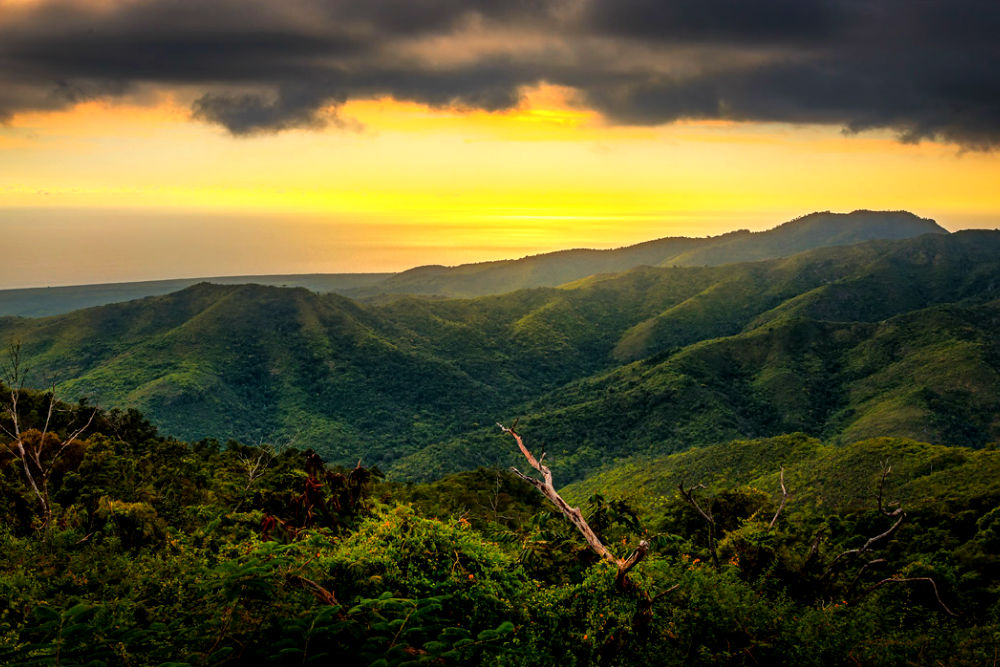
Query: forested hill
[546, 270]
[881, 338]
[44, 301]
[811, 231]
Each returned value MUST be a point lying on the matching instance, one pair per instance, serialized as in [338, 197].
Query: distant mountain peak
[905, 221]
[813, 230]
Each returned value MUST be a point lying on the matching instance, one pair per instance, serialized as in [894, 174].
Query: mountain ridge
[540, 270]
[556, 268]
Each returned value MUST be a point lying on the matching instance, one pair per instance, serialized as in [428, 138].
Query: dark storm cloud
[407, 17]
[926, 69]
[724, 21]
[248, 113]
[489, 87]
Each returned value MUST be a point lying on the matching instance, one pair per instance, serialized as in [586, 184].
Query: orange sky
[111, 192]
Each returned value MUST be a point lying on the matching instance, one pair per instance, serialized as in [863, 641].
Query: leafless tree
[706, 514]
[37, 451]
[574, 515]
[254, 462]
[493, 501]
[875, 541]
[898, 514]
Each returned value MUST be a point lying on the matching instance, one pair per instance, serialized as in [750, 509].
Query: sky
[148, 139]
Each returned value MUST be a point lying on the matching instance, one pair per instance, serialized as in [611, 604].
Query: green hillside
[820, 476]
[885, 338]
[759, 369]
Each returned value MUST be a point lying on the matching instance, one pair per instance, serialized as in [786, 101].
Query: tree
[37, 450]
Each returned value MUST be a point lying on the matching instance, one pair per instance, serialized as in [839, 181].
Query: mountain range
[550, 269]
[545, 270]
[844, 342]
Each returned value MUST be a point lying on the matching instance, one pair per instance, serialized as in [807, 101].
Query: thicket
[162, 552]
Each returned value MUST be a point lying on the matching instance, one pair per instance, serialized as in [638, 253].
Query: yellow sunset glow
[457, 185]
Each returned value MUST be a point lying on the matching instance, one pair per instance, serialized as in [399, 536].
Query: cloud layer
[927, 69]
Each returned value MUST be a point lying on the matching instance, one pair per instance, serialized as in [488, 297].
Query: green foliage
[844, 343]
[485, 497]
[841, 478]
[170, 553]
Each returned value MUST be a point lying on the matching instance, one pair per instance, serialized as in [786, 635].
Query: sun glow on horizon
[457, 185]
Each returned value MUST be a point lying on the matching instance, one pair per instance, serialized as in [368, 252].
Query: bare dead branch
[784, 499]
[48, 420]
[493, 501]
[886, 469]
[872, 563]
[255, 463]
[909, 580]
[872, 541]
[813, 549]
[69, 440]
[319, 592]
[14, 372]
[878, 538]
[688, 495]
[898, 513]
[573, 514]
[624, 566]
[9, 434]
[665, 593]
